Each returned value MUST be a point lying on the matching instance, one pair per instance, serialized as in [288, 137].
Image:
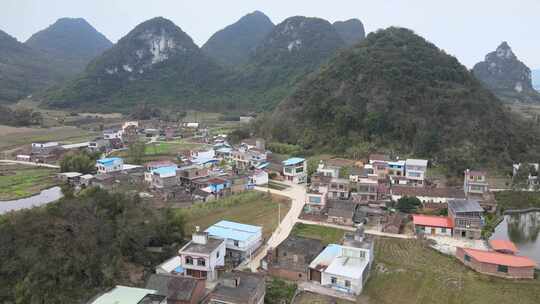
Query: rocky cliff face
[506, 76]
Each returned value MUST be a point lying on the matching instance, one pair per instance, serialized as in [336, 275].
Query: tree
[136, 152]
[408, 204]
[82, 162]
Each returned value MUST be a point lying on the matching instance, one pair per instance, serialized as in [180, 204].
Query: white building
[295, 170]
[108, 165]
[342, 268]
[241, 240]
[325, 170]
[110, 134]
[171, 266]
[201, 257]
[415, 171]
[259, 178]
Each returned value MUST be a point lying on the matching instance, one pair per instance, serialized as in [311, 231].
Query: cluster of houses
[205, 268]
[202, 271]
[350, 193]
[340, 267]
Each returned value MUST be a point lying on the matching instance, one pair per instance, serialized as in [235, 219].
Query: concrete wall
[355, 288]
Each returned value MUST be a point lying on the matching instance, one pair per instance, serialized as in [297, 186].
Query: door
[433, 231]
[315, 275]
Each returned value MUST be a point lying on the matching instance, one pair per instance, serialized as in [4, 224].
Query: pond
[46, 196]
[523, 229]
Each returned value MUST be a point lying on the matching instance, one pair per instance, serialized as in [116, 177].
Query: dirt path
[28, 163]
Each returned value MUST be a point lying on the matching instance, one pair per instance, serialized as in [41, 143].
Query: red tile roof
[498, 245]
[432, 221]
[491, 257]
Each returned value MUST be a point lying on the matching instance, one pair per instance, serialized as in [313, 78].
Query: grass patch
[279, 291]
[169, 148]
[328, 235]
[517, 199]
[415, 273]
[254, 208]
[19, 181]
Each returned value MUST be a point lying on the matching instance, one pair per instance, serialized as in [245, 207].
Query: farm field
[21, 181]
[407, 271]
[171, 148]
[254, 208]
[327, 235]
[13, 137]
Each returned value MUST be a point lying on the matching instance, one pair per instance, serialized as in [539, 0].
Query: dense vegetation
[73, 41]
[23, 69]
[517, 199]
[351, 31]
[397, 91]
[19, 117]
[68, 251]
[234, 44]
[82, 162]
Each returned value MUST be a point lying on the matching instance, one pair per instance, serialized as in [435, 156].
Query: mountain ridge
[233, 44]
[506, 76]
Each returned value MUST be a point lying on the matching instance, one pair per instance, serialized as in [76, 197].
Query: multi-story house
[203, 256]
[380, 169]
[295, 170]
[164, 177]
[245, 159]
[339, 188]
[316, 199]
[189, 173]
[241, 240]
[366, 190]
[325, 170]
[109, 165]
[415, 171]
[466, 216]
[151, 166]
[475, 183]
[396, 168]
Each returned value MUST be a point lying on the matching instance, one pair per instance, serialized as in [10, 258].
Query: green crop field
[20, 181]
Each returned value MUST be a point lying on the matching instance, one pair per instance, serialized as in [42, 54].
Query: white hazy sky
[467, 29]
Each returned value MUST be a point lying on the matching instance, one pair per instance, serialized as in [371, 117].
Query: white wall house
[325, 170]
[108, 165]
[295, 170]
[241, 240]
[415, 171]
[259, 177]
[342, 268]
[201, 257]
[432, 225]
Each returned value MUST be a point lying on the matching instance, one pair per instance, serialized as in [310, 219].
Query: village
[381, 196]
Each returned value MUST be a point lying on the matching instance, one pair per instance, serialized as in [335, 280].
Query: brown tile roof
[429, 192]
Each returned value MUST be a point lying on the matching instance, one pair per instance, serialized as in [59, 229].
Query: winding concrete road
[296, 193]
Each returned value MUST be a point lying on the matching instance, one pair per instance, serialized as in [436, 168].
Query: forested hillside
[398, 91]
[73, 249]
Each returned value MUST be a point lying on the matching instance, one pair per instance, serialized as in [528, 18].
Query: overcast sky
[467, 29]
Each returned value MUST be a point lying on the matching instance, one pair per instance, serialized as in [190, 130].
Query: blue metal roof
[293, 161]
[165, 170]
[104, 161]
[263, 165]
[233, 231]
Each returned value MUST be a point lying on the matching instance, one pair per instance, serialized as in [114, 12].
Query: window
[443, 230]
[502, 268]
[333, 280]
[189, 260]
[295, 258]
[236, 243]
[201, 262]
[217, 255]
[467, 258]
[347, 283]
[315, 199]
